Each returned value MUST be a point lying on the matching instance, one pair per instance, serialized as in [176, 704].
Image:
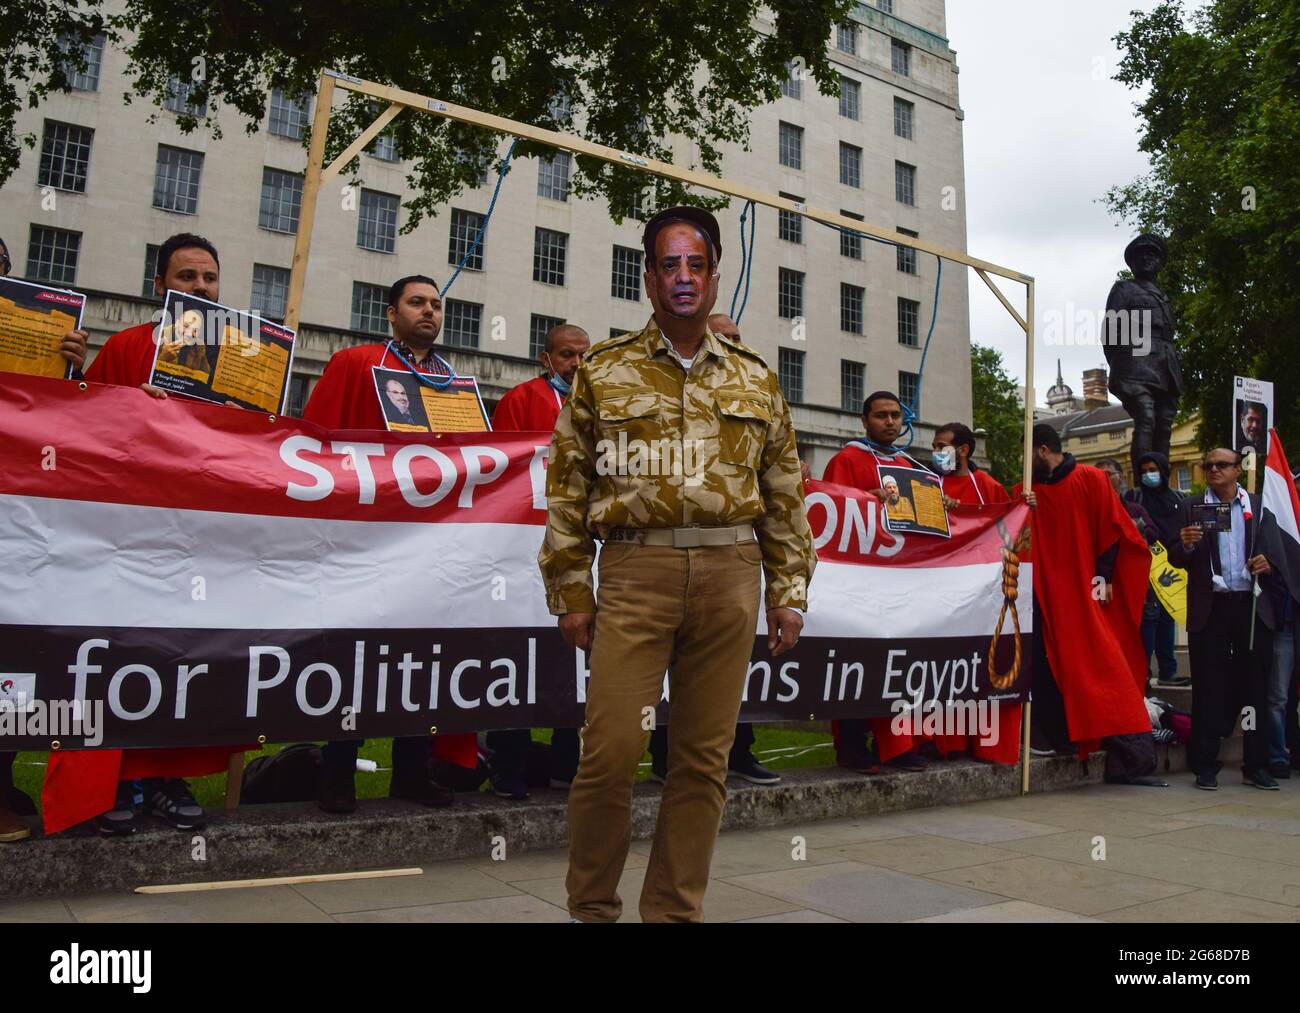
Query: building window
[553, 176]
[281, 201]
[850, 165]
[550, 253]
[297, 395]
[465, 228]
[377, 222]
[288, 114]
[790, 146]
[1183, 478]
[905, 183]
[852, 298]
[900, 57]
[180, 99]
[384, 147]
[538, 328]
[65, 156]
[907, 255]
[1088, 439]
[1116, 436]
[909, 316]
[270, 291]
[851, 245]
[792, 86]
[618, 332]
[885, 5]
[461, 323]
[904, 112]
[625, 281]
[850, 97]
[789, 294]
[853, 385]
[369, 308]
[909, 386]
[846, 37]
[176, 180]
[789, 371]
[93, 54]
[789, 224]
[52, 255]
[150, 271]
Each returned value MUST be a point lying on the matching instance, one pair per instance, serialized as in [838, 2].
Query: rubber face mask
[945, 460]
[1151, 479]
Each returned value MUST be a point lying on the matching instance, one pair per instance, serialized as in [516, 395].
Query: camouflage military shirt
[642, 443]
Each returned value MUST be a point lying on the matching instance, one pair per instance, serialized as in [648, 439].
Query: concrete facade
[115, 218]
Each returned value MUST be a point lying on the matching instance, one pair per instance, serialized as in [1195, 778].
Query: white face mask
[945, 460]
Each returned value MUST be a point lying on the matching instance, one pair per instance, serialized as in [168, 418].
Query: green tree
[999, 413]
[654, 77]
[1221, 123]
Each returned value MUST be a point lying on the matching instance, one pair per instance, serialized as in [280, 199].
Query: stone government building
[887, 149]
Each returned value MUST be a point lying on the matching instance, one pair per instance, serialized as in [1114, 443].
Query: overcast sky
[1047, 132]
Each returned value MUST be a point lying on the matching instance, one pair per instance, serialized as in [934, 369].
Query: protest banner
[33, 320]
[414, 405]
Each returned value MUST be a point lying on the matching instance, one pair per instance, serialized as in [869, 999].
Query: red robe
[531, 407]
[1095, 651]
[345, 398]
[126, 358]
[977, 489]
[860, 468]
[81, 784]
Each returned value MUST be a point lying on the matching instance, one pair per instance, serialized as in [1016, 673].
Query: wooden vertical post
[234, 779]
[1028, 478]
[310, 190]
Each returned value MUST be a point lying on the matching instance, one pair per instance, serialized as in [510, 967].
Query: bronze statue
[1138, 340]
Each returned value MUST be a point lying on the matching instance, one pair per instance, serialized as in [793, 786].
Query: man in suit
[1228, 671]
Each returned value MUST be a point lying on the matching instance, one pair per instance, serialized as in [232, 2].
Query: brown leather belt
[683, 538]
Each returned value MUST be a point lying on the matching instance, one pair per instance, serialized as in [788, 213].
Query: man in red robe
[858, 466]
[1090, 582]
[100, 783]
[533, 407]
[345, 398]
[971, 486]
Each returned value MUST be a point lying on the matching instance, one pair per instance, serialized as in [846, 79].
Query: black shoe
[1280, 771]
[910, 762]
[659, 771]
[337, 791]
[1207, 782]
[172, 801]
[424, 790]
[513, 788]
[1174, 681]
[12, 827]
[1260, 779]
[120, 820]
[859, 763]
[749, 769]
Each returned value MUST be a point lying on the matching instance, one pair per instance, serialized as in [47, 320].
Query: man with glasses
[1231, 616]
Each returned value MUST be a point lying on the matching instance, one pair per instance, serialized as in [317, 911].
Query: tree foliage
[998, 411]
[1221, 124]
[669, 79]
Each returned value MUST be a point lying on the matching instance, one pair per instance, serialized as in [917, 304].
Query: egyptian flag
[1281, 501]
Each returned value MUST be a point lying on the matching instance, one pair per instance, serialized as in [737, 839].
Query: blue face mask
[559, 384]
[1151, 479]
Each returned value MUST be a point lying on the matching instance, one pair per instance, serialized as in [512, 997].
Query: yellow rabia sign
[1169, 583]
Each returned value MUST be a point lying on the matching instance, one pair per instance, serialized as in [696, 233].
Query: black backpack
[291, 775]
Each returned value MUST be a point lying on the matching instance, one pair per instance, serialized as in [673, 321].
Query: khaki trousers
[694, 611]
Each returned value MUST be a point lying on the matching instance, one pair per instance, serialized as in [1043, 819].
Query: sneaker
[860, 763]
[749, 769]
[426, 791]
[513, 788]
[1035, 751]
[1174, 681]
[1207, 782]
[1260, 779]
[12, 829]
[120, 820]
[170, 800]
[337, 791]
[910, 762]
[1280, 771]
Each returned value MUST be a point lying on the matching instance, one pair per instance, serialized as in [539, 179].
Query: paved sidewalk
[1173, 854]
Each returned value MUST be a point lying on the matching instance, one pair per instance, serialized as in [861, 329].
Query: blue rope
[911, 412]
[478, 239]
[746, 260]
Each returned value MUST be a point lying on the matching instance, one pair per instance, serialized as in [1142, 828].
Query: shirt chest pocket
[743, 421]
[638, 415]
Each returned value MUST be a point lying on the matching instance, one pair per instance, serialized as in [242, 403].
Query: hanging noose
[1010, 592]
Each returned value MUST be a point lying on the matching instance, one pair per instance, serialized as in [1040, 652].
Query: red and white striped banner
[210, 575]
